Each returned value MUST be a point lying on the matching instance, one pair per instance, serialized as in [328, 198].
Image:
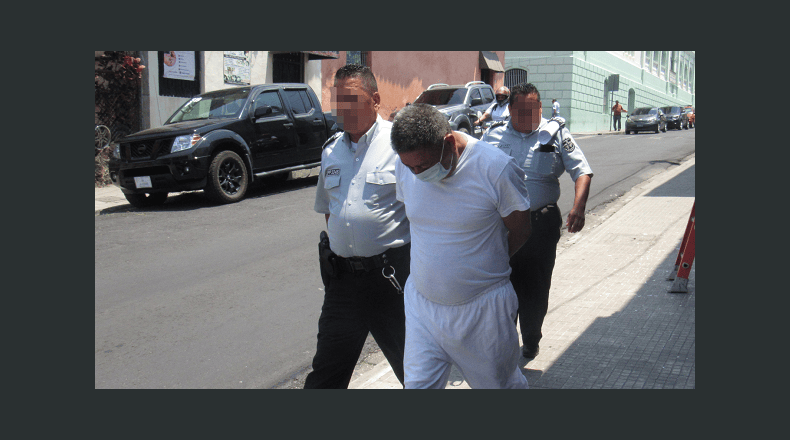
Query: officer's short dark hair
[523, 89]
[419, 127]
[358, 71]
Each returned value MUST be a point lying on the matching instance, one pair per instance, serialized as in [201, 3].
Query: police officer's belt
[366, 264]
[538, 213]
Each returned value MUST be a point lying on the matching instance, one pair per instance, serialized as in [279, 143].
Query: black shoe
[530, 352]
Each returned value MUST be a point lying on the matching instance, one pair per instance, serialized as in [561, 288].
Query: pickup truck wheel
[146, 200]
[227, 178]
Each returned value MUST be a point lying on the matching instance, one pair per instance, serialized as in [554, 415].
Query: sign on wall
[237, 67]
[179, 65]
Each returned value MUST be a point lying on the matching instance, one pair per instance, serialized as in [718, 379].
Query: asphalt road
[621, 161]
[193, 295]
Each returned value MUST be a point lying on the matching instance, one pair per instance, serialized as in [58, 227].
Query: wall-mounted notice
[237, 67]
[179, 65]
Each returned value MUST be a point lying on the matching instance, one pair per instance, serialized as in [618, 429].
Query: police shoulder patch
[332, 138]
[567, 144]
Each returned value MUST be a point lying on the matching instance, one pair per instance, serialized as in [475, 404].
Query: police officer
[498, 110]
[367, 262]
[543, 164]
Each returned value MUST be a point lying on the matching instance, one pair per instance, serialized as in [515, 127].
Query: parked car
[220, 141]
[676, 117]
[463, 104]
[646, 119]
[691, 114]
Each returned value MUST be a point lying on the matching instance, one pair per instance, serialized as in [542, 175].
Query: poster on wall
[237, 67]
[179, 65]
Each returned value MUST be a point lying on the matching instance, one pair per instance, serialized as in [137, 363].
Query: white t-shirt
[556, 108]
[459, 241]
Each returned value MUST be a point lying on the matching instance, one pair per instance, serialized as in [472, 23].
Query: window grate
[514, 77]
[357, 57]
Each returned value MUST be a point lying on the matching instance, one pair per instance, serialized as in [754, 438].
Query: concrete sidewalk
[612, 322]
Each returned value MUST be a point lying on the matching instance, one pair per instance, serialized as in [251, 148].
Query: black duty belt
[366, 264]
[538, 213]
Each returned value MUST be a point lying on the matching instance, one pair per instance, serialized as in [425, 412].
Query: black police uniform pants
[355, 304]
[532, 267]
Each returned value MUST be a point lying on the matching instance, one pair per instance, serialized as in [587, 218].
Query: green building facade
[587, 83]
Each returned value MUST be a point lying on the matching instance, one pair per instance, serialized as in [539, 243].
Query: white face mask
[436, 172]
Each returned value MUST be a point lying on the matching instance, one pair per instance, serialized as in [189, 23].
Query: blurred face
[355, 108]
[421, 160]
[525, 112]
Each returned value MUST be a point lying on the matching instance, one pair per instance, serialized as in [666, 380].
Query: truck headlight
[184, 142]
[115, 151]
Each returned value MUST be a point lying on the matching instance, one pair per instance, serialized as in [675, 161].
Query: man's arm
[575, 221]
[486, 115]
[519, 228]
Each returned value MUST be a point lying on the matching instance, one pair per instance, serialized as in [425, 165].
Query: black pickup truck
[220, 141]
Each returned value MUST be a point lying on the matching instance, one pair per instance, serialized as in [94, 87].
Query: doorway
[287, 67]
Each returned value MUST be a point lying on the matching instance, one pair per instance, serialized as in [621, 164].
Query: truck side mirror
[262, 111]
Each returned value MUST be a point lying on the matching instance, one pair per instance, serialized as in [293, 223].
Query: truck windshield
[442, 97]
[224, 104]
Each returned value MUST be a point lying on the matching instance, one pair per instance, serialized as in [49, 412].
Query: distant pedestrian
[616, 110]
[533, 264]
[555, 108]
[498, 110]
[468, 209]
[367, 257]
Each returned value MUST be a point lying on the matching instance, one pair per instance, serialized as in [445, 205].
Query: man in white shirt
[555, 108]
[468, 209]
[367, 260]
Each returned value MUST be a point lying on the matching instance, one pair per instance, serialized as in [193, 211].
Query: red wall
[402, 76]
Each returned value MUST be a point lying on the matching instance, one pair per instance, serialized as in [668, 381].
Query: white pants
[479, 337]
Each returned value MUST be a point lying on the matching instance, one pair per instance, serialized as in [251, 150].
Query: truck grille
[148, 149]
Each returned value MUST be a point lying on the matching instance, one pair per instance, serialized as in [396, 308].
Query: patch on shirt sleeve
[568, 145]
[333, 172]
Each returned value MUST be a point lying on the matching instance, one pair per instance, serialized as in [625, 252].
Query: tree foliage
[117, 98]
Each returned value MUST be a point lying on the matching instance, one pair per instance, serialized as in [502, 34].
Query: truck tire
[146, 200]
[227, 178]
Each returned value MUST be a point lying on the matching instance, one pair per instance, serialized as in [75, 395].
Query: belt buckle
[356, 265]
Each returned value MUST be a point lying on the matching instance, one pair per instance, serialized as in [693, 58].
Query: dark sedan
[646, 119]
[676, 117]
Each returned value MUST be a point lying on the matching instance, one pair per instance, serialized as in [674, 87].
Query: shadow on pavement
[650, 343]
[682, 185]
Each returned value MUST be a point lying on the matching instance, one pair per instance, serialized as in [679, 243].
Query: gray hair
[419, 127]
